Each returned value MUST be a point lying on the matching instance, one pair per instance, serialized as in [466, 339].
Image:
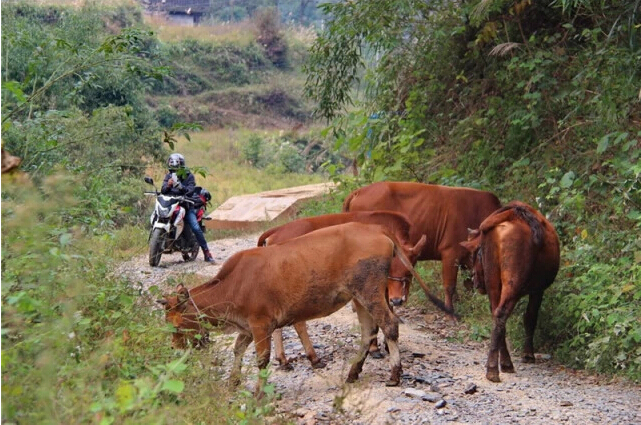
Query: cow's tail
[511, 213]
[265, 235]
[499, 216]
[533, 221]
[433, 298]
[348, 200]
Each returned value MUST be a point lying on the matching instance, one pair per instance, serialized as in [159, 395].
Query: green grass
[240, 33]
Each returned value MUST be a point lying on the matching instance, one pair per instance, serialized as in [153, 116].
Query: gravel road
[443, 381]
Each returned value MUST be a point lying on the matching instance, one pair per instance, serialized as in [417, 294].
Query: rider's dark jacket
[187, 185]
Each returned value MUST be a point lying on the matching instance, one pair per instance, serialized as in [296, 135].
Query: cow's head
[473, 245]
[399, 277]
[180, 312]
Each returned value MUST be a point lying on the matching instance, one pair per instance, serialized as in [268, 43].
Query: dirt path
[443, 381]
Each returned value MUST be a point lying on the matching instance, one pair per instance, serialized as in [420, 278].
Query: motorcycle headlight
[163, 212]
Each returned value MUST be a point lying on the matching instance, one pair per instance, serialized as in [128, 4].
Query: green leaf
[14, 88]
[65, 238]
[523, 162]
[173, 385]
[603, 144]
[567, 179]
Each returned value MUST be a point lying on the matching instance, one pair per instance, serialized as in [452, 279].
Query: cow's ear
[418, 248]
[469, 245]
[183, 293]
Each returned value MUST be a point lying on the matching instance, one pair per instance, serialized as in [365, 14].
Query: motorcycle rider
[179, 181]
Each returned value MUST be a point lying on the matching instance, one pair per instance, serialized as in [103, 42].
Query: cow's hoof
[286, 367]
[508, 368]
[351, 379]
[529, 358]
[319, 365]
[493, 376]
[392, 383]
[378, 354]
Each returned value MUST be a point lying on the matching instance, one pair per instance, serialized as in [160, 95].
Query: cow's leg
[279, 349]
[497, 343]
[504, 357]
[301, 330]
[449, 271]
[389, 327]
[263, 343]
[529, 320]
[379, 311]
[367, 333]
[242, 342]
[374, 350]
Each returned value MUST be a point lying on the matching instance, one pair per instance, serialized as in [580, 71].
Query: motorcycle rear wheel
[156, 247]
[191, 255]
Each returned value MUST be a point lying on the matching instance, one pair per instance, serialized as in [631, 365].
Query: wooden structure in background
[251, 211]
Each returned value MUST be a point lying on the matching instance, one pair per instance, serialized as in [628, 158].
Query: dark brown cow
[261, 289]
[441, 213]
[515, 253]
[398, 225]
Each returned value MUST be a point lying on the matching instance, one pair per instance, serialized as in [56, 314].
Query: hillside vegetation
[536, 101]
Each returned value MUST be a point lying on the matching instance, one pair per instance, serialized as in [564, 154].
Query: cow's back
[397, 223]
[519, 228]
[309, 272]
[442, 213]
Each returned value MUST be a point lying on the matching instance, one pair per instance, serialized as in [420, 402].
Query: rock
[440, 404]
[413, 392]
[431, 397]
[393, 409]
[566, 403]
[470, 388]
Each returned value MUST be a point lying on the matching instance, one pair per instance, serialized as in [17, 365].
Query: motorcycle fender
[179, 222]
[164, 226]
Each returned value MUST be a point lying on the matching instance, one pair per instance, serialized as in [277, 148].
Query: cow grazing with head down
[515, 253]
[441, 213]
[262, 289]
[395, 222]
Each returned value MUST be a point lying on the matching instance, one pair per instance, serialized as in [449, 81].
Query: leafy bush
[253, 150]
[271, 38]
[199, 66]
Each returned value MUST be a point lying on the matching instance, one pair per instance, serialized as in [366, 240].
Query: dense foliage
[536, 101]
[78, 343]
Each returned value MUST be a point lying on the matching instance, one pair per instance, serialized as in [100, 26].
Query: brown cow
[9, 162]
[261, 289]
[398, 225]
[515, 253]
[441, 213]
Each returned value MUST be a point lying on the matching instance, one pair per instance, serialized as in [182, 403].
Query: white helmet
[175, 162]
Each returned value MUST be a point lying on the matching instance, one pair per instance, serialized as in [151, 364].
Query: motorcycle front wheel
[156, 247]
[191, 255]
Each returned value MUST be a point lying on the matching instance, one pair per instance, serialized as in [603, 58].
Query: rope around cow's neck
[194, 304]
[432, 297]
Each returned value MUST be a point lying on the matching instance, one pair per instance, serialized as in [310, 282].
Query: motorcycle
[168, 232]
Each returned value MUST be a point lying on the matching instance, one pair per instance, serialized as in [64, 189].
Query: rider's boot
[208, 257]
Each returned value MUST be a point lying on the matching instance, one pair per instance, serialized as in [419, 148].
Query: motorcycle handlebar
[180, 198]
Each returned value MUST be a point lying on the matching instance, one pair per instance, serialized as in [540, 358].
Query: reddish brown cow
[441, 213]
[259, 290]
[515, 253]
[398, 225]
